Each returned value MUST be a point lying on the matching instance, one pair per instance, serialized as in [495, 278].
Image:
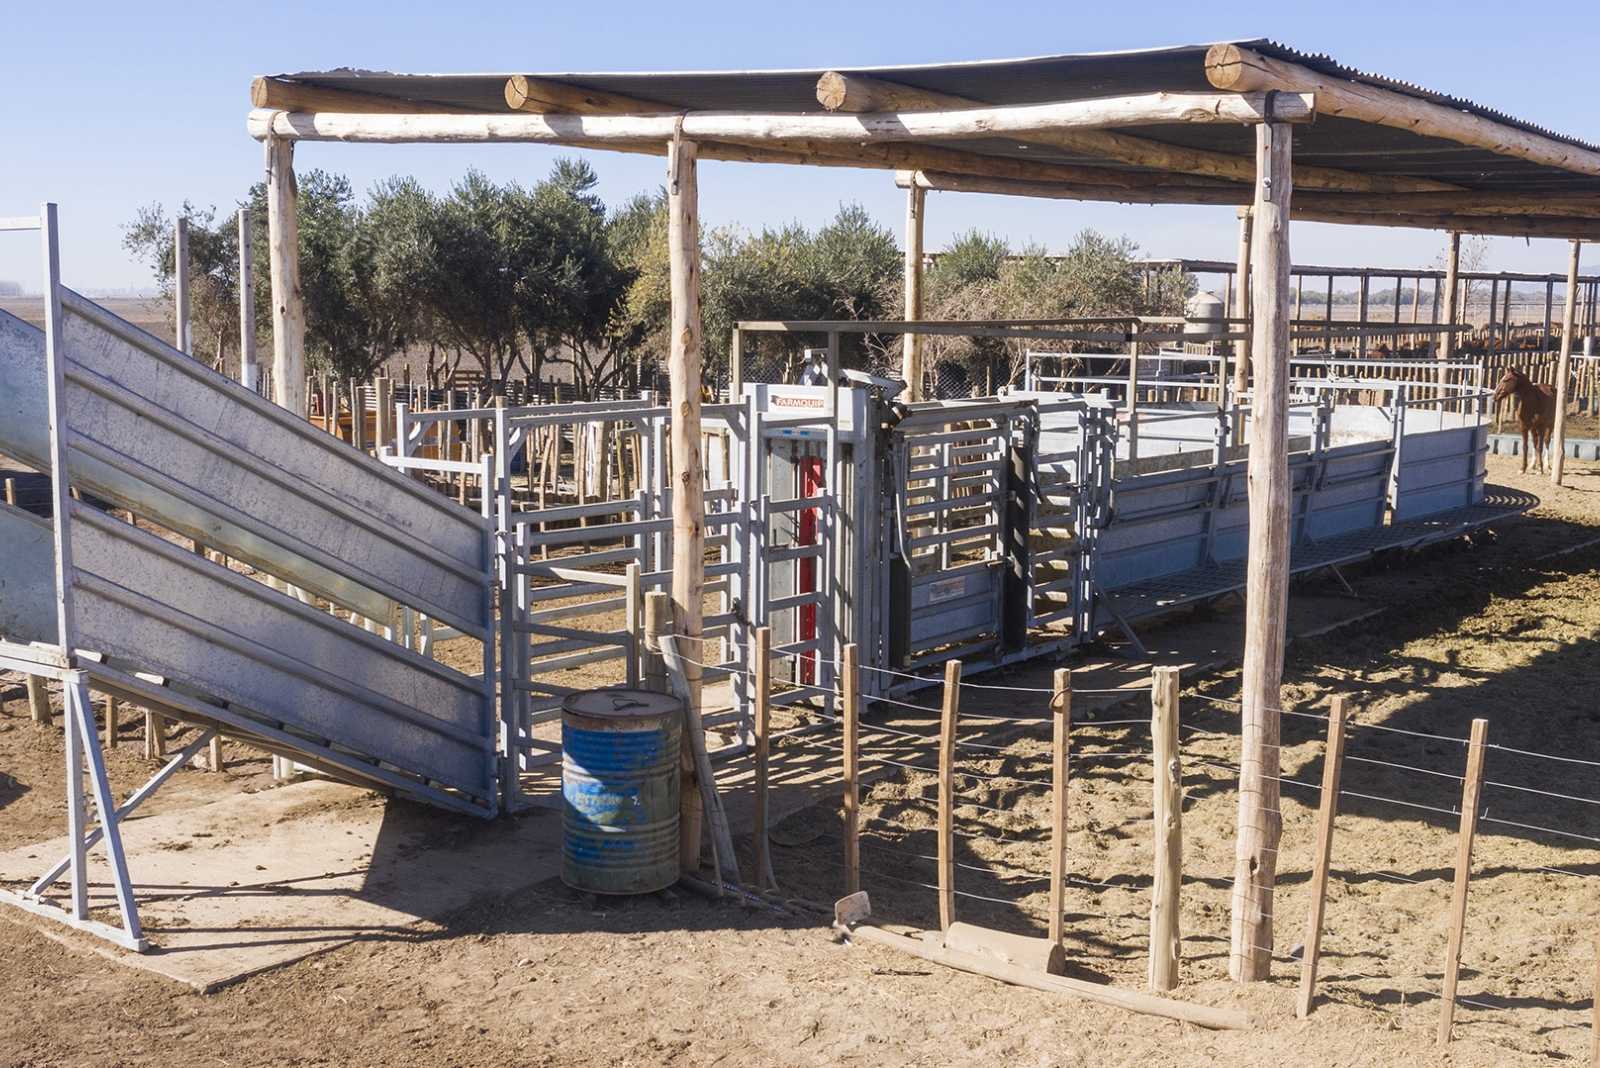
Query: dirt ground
[1497, 627]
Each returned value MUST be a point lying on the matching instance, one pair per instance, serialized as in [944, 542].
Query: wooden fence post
[657, 621]
[947, 800]
[762, 669]
[852, 772]
[1061, 719]
[1471, 786]
[1332, 768]
[1166, 940]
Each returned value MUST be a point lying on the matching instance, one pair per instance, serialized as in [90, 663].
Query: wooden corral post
[657, 621]
[1061, 735]
[1471, 787]
[1241, 304]
[947, 799]
[1133, 392]
[911, 356]
[850, 683]
[1332, 769]
[762, 670]
[1558, 437]
[180, 286]
[1267, 572]
[384, 387]
[688, 497]
[155, 736]
[248, 373]
[288, 309]
[1166, 940]
[1452, 285]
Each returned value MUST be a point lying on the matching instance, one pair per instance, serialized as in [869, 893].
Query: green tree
[213, 271]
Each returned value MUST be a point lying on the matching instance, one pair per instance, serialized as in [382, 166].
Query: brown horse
[1536, 412]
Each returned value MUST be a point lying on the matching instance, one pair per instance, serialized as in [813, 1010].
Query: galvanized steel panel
[144, 601]
[158, 432]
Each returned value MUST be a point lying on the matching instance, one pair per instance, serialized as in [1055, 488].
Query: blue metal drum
[619, 790]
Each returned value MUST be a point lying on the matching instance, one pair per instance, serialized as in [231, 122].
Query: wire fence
[1388, 930]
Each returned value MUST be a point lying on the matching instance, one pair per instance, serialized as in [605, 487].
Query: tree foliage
[504, 276]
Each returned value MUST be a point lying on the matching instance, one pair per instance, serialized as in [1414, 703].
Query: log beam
[1340, 208]
[856, 93]
[1243, 70]
[1146, 109]
[1267, 569]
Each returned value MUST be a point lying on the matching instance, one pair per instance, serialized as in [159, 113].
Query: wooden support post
[38, 700]
[1241, 304]
[249, 375]
[947, 799]
[155, 736]
[1061, 735]
[1558, 437]
[911, 357]
[1471, 787]
[288, 309]
[1363, 291]
[184, 340]
[113, 710]
[214, 753]
[1332, 769]
[1267, 571]
[1133, 394]
[1166, 939]
[688, 497]
[762, 670]
[850, 683]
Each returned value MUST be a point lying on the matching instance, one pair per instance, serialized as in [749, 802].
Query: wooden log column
[1558, 437]
[1452, 283]
[288, 308]
[248, 375]
[688, 491]
[911, 358]
[1241, 304]
[1267, 571]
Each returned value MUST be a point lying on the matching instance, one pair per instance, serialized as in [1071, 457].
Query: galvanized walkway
[1143, 600]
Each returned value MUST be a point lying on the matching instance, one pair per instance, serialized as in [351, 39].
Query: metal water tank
[1204, 312]
[619, 790]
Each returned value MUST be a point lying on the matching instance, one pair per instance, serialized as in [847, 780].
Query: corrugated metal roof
[1329, 142]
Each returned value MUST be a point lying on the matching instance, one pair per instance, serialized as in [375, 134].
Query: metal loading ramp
[305, 653]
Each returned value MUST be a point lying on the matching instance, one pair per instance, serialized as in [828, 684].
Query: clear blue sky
[107, 106]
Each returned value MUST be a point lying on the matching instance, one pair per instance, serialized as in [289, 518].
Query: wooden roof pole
[282, 94]
[858, 93]
[1267, 569]
[1243, 70]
